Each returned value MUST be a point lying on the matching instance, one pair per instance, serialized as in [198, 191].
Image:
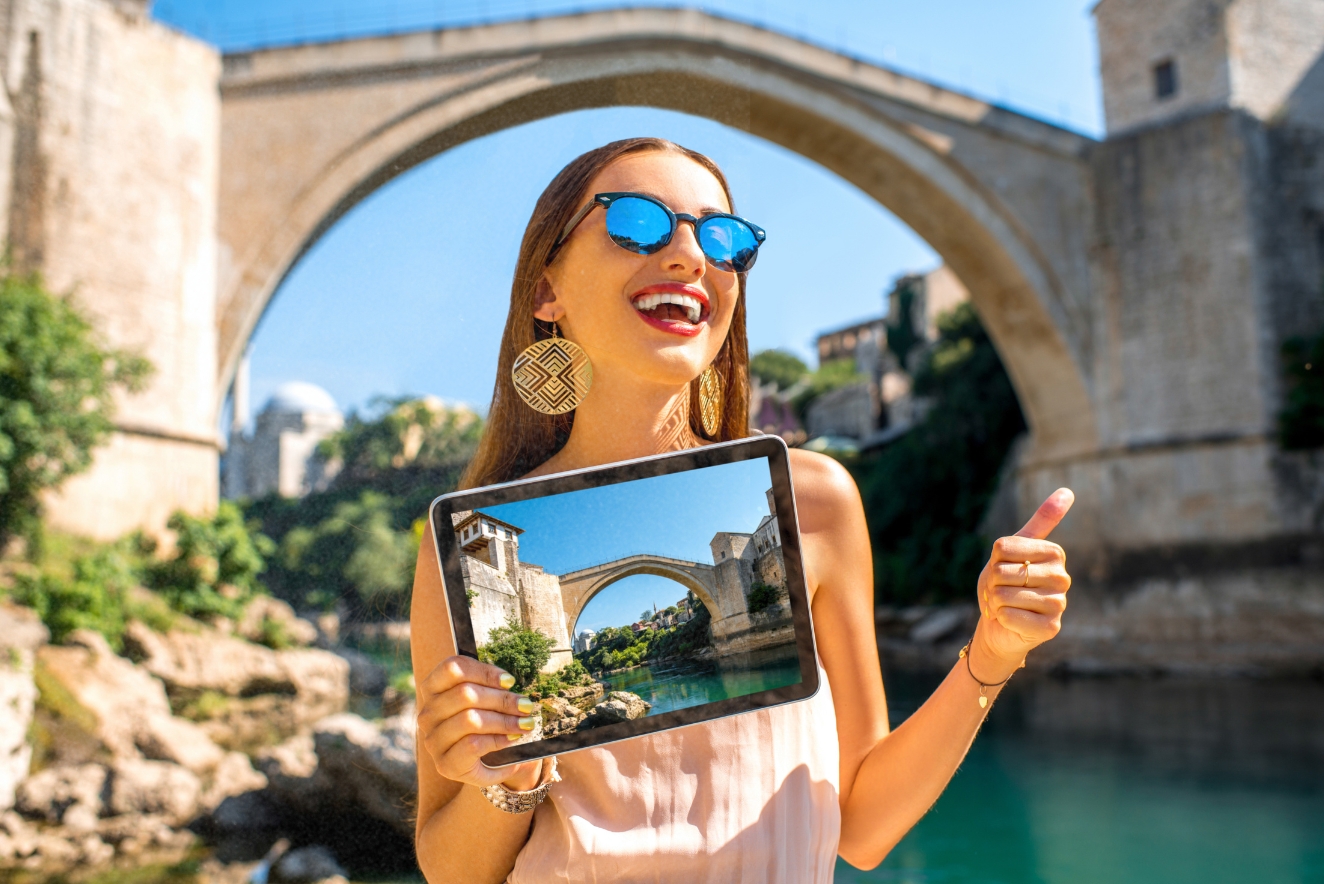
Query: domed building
[281, 456]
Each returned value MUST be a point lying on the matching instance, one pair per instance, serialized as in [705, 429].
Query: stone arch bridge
[579, 587]
[1137, 287]
[728, 609]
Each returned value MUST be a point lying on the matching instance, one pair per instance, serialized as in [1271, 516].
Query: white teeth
[691, 305]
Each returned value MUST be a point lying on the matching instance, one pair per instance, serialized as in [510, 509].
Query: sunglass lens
[729, 243]
[638, 225]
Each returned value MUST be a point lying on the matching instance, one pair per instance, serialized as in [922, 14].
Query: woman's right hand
[466, 710]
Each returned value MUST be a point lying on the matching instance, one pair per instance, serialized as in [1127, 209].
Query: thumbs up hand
[1022, 593]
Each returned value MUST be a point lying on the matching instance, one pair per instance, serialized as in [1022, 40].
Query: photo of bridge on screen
[642, 597]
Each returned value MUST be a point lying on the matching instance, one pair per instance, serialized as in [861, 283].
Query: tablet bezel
[771, 447]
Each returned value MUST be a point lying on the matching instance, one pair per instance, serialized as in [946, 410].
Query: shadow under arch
[938, 160]
[578, 588]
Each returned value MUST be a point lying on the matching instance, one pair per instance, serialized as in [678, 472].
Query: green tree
[521, 652]
[57, 383]
[356, 551]
[95, 597]
[926, 493]
[1301, 422]
[777, 366]
[902, 337]
[355, 543]
[216, 563]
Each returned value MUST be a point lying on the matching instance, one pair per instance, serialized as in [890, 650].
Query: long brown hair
[518, 439]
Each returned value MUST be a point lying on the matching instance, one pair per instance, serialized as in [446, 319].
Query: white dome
[300, 397]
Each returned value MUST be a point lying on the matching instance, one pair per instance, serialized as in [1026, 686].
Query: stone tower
[1164, 60]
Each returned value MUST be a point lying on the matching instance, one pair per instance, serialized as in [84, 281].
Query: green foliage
[470, 595]
[831, 375]
[547, 684]
[777, 366]
[56, 387]
[95, 596]
[519, 651]
[1301, 422]
[355, 551]
[215, 566]
[619, 647]
[403, 683]
[925, 493]
[902, 337]
[355, 544]
[761, 596]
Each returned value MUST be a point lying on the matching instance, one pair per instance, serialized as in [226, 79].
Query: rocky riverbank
[192, 739]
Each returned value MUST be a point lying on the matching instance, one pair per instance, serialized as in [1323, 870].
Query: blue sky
[674, 516]
[407, 293]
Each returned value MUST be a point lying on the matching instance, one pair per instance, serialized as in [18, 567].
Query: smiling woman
[775, 793]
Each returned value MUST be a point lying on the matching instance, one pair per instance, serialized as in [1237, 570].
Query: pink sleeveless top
[751, 797]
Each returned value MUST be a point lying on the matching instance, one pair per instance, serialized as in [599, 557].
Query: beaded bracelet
[522, 802]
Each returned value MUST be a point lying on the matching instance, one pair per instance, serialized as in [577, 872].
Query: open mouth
[674, 308]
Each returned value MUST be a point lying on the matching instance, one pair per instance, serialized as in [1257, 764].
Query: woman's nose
[683, 252]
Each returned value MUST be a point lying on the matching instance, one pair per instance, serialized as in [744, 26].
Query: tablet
[651, 594]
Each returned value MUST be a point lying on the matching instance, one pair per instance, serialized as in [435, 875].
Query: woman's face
[600, 294]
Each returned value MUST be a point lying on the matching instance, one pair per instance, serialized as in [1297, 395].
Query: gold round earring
[553, 375]
[710, 401]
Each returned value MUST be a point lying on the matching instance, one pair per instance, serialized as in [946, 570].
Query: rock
[619, 706]
[560, 716]
[121, 696]
[940, 624]
[307, 865]
[294, 629]
[583, 692]
[131, 709]
[366, 676]
[21, 633]
[165, 738]
[270, 691]
[56, 792]
[249, 812]
[133, 833]
[369, 767]
[232, 777]
[18, 839]
[154, 787]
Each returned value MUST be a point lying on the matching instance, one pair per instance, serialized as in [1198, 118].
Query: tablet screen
[649, 595]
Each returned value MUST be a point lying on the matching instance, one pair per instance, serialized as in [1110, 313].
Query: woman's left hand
[1022, 593]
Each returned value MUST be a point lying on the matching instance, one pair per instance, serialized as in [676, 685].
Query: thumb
[1050, 512]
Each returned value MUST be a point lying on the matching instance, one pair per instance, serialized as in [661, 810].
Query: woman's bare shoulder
[825, 492]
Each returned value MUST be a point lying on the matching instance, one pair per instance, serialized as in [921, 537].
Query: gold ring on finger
[1027, 574]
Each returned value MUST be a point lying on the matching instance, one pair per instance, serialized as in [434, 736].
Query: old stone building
[504, 588]
[880, 405]
[281, 457]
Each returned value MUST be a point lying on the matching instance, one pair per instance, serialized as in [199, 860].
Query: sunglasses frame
[606, 199]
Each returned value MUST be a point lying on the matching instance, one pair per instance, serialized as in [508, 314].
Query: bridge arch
[580, 587]
[309, 131]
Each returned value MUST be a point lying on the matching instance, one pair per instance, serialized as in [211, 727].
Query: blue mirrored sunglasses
[644, 225]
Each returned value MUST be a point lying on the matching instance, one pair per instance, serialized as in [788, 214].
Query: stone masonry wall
[109, 157]
[496, 602]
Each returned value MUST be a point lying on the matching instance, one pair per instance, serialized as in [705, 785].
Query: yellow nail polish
[526, 705]
[513, 737]
[526, 723]
[507, 680]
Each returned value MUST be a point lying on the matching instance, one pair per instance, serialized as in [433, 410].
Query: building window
[1165, 79]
